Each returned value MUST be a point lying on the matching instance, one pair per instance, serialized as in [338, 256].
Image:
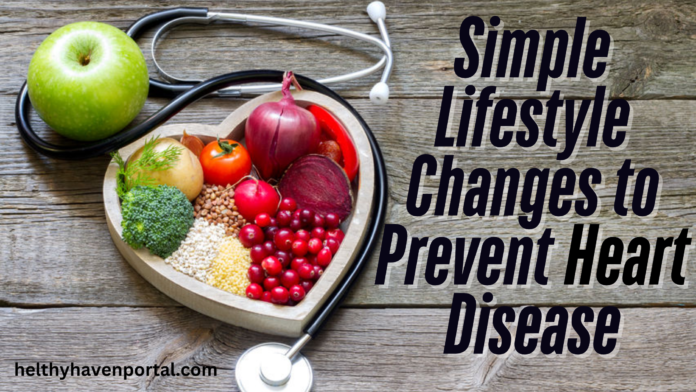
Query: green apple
[88, 80]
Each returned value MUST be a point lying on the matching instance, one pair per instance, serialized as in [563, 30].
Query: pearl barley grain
[198, 250]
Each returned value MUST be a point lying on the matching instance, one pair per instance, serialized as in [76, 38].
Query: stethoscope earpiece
[377, 11]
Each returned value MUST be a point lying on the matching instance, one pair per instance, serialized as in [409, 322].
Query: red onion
[277, 133]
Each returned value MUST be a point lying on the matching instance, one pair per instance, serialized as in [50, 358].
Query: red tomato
[225, 162]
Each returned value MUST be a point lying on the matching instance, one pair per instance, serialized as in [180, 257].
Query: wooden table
[67, 295]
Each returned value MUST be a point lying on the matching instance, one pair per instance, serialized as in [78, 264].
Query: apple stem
[84, 59]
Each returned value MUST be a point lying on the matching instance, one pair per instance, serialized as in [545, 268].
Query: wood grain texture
[49, 207]
[360, 350]
[652, 57]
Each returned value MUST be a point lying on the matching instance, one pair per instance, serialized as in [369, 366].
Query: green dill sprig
[137, 172]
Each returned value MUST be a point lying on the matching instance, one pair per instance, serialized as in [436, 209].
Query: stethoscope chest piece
[266, 367]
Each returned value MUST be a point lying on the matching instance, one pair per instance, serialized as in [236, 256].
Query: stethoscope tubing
[379, 202]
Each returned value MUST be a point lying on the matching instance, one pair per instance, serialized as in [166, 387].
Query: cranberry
[296, 214]
[288, 204]
[266, 297]
[274, 222]
[270, 283]
[314, 245]
[284, 257]
[324, 257]
[332, 244]
[263, 220]
[272, 265]
[319, 232]
[307, 217]
[251, 235]
[280, 295]
[291, 302]
[295, 225]
[254, 291]
[297, 293]
[306, 272]
[284, 218]
[299, 248]
[318, 272]
[269, 247]
[332, 221]
[284, 238]
[307, 285]
[256, 273]
[318, 220]
[336, 234]
[270, 232]
[312, 259]
[257, 253]
[297, 262]
[289, 278]
[302, 235]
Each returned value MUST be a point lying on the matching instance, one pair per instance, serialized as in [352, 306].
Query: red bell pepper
[336, 131]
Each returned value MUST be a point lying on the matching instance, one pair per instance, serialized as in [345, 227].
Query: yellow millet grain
[228, 271]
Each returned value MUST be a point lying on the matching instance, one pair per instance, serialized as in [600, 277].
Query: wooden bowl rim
[256, 315]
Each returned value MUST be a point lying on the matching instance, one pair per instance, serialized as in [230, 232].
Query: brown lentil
[216, 205]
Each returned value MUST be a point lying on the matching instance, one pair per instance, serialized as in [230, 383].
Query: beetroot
[318, 184]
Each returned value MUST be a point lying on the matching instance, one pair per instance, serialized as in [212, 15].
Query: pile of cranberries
[289, 252]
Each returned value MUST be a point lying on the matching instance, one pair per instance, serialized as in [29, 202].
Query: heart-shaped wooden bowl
[241, 311]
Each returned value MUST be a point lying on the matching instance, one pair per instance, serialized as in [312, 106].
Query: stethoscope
[269, 366]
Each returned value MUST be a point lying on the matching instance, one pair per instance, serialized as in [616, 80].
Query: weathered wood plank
[653, 41]
[360, 349]
[48, 208]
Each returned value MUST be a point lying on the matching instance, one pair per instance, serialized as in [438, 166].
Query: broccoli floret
[156, 217]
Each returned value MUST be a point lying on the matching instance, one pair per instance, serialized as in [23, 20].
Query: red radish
[254, 197]
[318, 185]
[277, 133]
